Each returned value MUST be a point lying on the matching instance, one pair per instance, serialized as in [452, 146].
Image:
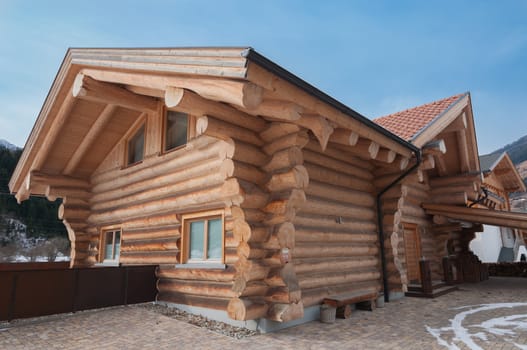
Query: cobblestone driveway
[410, 323]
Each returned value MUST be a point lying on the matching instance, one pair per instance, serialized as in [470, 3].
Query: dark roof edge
[251, 55]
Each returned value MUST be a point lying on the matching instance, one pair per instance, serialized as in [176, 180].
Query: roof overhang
[239, 78]
[479, 216]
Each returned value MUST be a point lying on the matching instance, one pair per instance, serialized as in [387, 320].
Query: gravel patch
[201, 321]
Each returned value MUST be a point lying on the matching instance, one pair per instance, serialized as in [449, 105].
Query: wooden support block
[344, 311]
[368, 305]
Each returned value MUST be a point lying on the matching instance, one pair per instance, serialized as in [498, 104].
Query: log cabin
[500, 180]
[435, 212]
[256, 193]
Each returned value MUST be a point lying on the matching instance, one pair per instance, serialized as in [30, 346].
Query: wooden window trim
[185, 244]
[102, 244]
[191, 129]
[142, 121]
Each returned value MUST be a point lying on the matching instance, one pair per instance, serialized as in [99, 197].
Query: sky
[377, 57]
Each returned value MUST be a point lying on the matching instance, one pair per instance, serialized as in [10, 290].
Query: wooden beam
[87, 88]
[89, 139]
[460, 123]
[441, 165]
[192, 103]
[319, 126]
[386, 155]
[238, 93]
[37, 177]
[277, 88]
[344, 137]
[428, 162]
[435, 147]
[50, 138]
[464, 164]
[277, 110]
[481, 216]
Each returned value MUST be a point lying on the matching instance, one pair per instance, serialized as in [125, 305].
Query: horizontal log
[295, 177]
[329, 176]
[239, 93]
[194, 300]
[207, 125]
[248, 153]
[86, 87]
[214, 275]
[152, 232]
[299, 139]
[341, 154]
[73, 212]
[52, 193]
[320, 235]
[251, 251]
[242, 231]
[194, 287]
[446, 181]
[331, 222]
[249, 173]
[254, 197]
[140, 223]
[151, 244]
[285, 159]
[229, 189]
[313, 250]
[283, 295]
[316, 205]
[242, 309]
[320, 265]
[290, 201]
[197, 155]
[148, 258]
[251, 270]
[338, 165]
[344, 137]
[338, 193]
[456, 198]
[55, 180]
[278, 130]
[152, 189]
[190, 102]
[278, 110]
[319, 126]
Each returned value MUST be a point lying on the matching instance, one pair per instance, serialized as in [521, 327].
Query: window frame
[187, 219]
[129, 136]
[191, 121]
[102, 245]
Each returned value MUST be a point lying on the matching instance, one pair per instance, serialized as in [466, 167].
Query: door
[412, 249]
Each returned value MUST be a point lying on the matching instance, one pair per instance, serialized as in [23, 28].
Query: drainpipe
[380, 221]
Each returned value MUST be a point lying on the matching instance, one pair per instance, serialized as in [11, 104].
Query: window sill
[197, 265]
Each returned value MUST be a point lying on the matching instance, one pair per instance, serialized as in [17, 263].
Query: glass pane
[136, 146]
[196, 240]
[214, 247]
[176, 130]
[108, 245]
[117, 247]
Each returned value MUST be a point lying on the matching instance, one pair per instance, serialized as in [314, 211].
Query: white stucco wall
[487, 244]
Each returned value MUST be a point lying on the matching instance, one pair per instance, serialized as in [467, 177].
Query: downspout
[380, 221]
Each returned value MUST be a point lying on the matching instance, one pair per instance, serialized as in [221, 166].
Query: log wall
[336, 244]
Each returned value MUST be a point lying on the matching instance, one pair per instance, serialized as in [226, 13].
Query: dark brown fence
[46, 289]
[508, 269]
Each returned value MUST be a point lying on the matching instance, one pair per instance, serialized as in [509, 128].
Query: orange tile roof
[408, 123]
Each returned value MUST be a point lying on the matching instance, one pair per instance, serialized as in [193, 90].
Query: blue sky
[377, 57]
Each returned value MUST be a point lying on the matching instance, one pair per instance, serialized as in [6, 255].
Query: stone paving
[409, 323]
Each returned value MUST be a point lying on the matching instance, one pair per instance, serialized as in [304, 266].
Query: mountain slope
[8, 145]
[516, 150]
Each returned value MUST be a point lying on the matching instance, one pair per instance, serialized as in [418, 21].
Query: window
[203, 238]
[176, 130]
[136, 146]
[111, 245]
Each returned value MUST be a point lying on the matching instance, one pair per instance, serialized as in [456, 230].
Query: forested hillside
[38, 214]
[516, 150]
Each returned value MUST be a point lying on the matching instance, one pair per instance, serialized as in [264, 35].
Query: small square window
[176, 130]
[111, 246]
[203, 238]
[136, 146]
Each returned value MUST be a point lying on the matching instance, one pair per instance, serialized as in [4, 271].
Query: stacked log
[335, 230]
[266, 241]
